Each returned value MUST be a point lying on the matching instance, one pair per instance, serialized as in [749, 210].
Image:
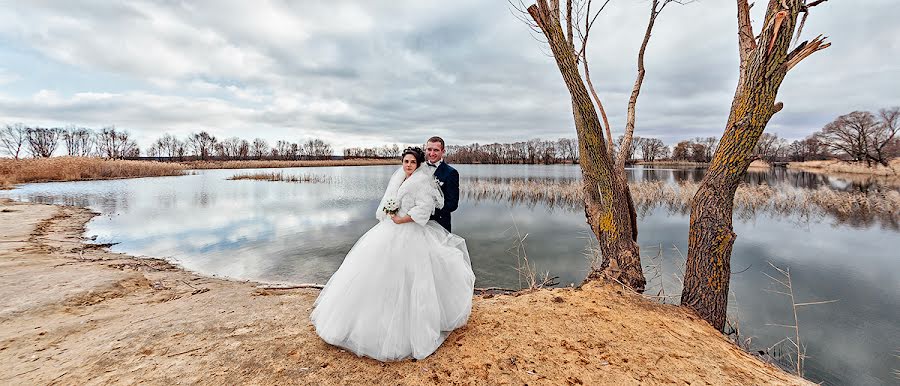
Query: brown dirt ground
[75, 314]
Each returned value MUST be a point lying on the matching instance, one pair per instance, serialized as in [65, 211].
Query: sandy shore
[77, 314]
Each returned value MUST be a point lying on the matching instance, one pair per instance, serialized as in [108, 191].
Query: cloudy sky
[363, 73]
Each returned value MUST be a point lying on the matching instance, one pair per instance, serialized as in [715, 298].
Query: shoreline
[72, 313]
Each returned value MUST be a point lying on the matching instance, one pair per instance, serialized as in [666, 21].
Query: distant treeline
[860, 136]
[113, 143]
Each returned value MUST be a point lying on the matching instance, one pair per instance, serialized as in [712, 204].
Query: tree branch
[806, 49]
[636, 90]
[746, 39]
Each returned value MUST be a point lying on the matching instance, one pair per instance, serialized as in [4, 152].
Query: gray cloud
[369, 73]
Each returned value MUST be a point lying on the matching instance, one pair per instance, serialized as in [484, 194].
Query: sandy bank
[72, 313]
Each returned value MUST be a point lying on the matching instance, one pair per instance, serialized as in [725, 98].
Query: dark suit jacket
[450, 179]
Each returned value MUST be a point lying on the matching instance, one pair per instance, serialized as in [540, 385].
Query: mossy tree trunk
[764, 65]
[607, 204]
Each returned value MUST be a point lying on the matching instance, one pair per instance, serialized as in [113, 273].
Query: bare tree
[608, 206]
[282, 150]
[850, 135]
[682, 151]
[231, 147]
[112, 143]
[13, 138]
[202, 144]
[42, 142]
[79, 141]
[243, 150]
[885, 138]
[169, 146]
[651, 148]
[809, 148]
[769, 147]
[764, 62]
[259, 148]
[317, 149]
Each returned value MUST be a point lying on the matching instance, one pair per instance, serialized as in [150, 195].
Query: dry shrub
[80, 168]
[265, 164]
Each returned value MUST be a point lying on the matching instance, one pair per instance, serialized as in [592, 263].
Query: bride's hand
[399, 220]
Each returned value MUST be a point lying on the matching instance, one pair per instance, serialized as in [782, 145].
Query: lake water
[283, 232]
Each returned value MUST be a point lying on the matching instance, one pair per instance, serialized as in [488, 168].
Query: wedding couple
[408, 281]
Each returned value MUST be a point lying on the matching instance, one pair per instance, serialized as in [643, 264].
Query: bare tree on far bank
[79, 141]
[42, 142]
[317, 149]
[608, 205]
[764, 63]
[381, 152]
[862, 136]
[116, 144]
[12, 139]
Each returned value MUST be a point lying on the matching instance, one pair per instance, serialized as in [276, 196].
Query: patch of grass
[280, 176]
[837, 166]
[54, 169]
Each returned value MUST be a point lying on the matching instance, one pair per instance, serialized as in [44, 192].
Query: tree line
[40, 142]
[19, 140]
[204, 145]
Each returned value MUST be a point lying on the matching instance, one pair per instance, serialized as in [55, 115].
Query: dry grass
[263, 164]
[673, 163]
[759, 165]
[280, 176]
[749, 200]
[835, 166]
[80, 168]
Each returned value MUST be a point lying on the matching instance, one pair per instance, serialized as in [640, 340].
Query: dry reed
[836, 166]
[266, 164]
[674, 163]
[749, 200]
[80, 168]
[280, 176]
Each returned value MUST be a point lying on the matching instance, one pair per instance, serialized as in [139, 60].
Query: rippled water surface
[299, 232]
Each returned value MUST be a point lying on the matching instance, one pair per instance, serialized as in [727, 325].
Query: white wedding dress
[402, 287]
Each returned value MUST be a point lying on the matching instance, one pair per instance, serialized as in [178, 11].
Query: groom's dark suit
[449, 178]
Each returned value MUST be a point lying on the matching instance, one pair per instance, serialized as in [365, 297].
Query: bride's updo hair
[417, 153]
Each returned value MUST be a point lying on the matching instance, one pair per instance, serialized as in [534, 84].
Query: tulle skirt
[399, 292]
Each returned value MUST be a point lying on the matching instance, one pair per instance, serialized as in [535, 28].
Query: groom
[447, 175]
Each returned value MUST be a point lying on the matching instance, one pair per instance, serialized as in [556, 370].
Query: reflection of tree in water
[859, 209]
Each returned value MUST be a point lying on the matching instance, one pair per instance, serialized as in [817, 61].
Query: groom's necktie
[429, 163]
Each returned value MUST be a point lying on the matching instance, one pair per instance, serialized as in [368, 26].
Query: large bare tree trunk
[606, 202]
[764, 64]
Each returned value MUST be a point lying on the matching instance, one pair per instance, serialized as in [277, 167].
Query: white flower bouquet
[391, 206]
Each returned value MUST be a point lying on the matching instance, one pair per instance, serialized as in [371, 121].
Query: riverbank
[53, 169]
[72, 313]
[264, 164]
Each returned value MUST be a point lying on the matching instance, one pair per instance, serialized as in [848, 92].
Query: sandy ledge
[74, 314]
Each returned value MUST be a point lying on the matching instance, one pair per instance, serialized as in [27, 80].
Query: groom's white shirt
[435, 165]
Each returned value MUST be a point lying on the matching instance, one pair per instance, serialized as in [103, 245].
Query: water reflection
[298, 232]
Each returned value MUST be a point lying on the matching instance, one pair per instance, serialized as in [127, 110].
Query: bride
[406, 283]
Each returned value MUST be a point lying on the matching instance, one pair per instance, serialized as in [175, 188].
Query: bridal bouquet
[391, 206]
